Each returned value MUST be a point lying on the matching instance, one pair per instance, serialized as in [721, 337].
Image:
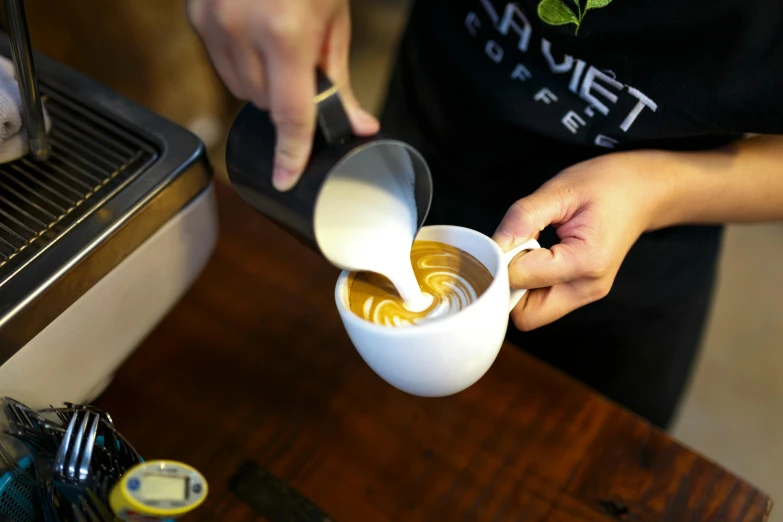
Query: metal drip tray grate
[92, 158]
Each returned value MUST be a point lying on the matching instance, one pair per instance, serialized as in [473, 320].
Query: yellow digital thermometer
[157, 490]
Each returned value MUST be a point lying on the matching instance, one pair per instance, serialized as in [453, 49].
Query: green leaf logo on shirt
[556, 12]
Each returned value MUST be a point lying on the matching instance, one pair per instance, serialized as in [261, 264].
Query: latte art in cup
[453, 278]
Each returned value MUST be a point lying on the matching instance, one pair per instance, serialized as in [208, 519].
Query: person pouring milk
[625, 133]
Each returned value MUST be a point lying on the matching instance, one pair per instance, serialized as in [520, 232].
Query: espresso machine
[103, 227]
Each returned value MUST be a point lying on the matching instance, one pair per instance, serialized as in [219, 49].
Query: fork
[71, 466]
[124, 455]
[92, 510]
[78, 447]
[69, 407]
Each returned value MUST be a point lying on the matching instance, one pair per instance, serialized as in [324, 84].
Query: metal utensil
[124, 453]
[71, 407]
[77, 456]
[32, 107]
[78, 447]
[91, 509]
[71, 466]
[19, 414]
[30, 428]
[101, 505]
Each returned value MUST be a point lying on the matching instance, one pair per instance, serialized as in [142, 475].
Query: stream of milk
[366, 219]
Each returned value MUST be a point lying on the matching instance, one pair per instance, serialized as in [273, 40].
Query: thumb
[335, 64]
[529, 216]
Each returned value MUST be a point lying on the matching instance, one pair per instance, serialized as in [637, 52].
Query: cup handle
[508, 257]
[332, 118]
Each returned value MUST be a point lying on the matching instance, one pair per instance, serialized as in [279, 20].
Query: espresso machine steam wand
[32, 106]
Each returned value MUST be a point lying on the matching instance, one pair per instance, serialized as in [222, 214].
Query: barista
[617, 129]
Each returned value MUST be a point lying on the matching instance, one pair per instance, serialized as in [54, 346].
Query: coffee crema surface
[451, 276]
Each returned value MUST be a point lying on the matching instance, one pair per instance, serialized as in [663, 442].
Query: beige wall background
[733, 412]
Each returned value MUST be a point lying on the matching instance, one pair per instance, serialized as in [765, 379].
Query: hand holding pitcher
[266, 52]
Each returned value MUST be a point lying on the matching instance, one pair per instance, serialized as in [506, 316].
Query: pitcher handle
[332, 119]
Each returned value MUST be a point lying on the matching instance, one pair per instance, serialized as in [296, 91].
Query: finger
[195, 11]
[291, 82]
[544, 267]
[546, 305]
[531, 215]
[219, 47]
[251, 72]
[226, 66]
[335, 63]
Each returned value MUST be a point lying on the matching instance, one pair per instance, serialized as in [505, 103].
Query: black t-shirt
[501, 91]
[499, 101]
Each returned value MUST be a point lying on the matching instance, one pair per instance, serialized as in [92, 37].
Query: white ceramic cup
[446, 355]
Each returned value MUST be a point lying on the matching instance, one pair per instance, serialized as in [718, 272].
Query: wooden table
[254, 364]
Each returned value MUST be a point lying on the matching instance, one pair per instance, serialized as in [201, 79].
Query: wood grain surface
[254, 365]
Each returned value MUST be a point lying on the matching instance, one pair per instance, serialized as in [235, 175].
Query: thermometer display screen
[160, 487]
